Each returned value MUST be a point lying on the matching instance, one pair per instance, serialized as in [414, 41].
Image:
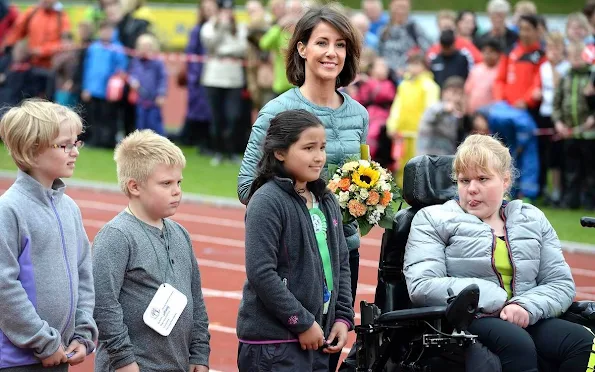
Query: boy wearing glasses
[46, 283]
[150, 310]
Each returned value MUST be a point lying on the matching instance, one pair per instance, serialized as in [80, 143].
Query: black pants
[195, 133]
[547, 346]
[282, 357]
[103, 123]
[226, 108]
[354, 267]
[127, 113]
[579, 173]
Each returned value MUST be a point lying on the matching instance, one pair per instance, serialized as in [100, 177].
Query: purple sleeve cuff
[346, 322]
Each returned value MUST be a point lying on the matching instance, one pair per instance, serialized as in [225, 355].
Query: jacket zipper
[67, 266]
[574, 100]
[317, 252]
[494, 259]
[512, 285]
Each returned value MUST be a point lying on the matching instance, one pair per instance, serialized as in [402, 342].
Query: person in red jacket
[518, 81]
[8, 16]
[43, 25]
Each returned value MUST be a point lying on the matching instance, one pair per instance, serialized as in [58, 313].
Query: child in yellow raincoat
[415, 94]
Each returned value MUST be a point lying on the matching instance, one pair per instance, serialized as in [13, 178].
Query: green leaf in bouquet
[347, 218]
[364, 226]
[386, 222]
[332, 169]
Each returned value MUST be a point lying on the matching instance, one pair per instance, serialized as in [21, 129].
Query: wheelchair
[393, 335]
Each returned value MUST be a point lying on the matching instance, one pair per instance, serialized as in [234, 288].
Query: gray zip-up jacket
[346, 130]
[450, 248]
[46, 282]
[282, 296]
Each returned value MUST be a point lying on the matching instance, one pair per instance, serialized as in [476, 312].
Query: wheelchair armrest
[585, 309]
[418, 313]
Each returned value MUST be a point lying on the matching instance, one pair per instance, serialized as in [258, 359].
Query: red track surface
[218, 235]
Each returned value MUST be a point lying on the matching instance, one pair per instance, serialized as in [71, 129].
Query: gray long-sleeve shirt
[129, 268]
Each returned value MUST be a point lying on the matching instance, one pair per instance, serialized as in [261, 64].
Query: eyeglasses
[68, 147]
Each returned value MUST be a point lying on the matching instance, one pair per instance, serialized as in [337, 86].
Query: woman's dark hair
[285, 129]
[296, 69]
[463, 13]
[530, 19]
[492, 43]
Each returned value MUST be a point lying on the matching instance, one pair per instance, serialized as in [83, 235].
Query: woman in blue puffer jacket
[322, 56]
[510, 250]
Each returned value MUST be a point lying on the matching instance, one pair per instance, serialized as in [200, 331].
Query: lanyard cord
[166, 235]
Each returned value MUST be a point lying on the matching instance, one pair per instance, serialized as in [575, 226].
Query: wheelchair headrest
[427, 180]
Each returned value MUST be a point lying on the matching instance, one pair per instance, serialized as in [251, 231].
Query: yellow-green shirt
[503, 265]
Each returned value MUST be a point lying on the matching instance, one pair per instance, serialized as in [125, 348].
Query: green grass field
[201, 178]
[544, 6]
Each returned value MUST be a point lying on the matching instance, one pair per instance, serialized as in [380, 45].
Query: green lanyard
[166, 236]
[320, 228]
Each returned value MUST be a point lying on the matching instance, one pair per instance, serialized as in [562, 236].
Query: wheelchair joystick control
[461, 309]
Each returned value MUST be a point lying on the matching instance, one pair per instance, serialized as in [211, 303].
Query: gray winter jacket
[346, 129]
[450, 248]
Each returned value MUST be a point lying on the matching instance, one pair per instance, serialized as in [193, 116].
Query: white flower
[364, 194]
[336, 177]
[386, 187]
[352, 188]
[380, 208]
[343, 197]
[374, 217]
[364, 163]
[348, 167]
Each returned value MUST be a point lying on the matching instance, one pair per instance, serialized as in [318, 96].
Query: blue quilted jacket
[346, 129]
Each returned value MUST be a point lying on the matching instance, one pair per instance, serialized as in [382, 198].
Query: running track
[218, 233]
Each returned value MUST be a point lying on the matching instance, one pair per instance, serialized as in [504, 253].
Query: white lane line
[203, 219]
[240, 244]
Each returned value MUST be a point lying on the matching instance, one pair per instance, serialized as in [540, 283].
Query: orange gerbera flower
[373, 198]
[356, 209]
[386, 198]
[344, 184]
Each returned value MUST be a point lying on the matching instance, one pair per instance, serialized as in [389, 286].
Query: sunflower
[365, 177]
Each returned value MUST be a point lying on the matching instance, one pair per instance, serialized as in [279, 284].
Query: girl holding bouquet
[296, 304]
[323, 55]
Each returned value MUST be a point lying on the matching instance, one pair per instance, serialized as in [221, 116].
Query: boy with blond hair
[46, 283]
[146, 273]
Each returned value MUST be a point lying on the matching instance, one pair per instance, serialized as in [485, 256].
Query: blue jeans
[149, 118]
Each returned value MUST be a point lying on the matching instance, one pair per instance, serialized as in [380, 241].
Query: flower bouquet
[367, 193]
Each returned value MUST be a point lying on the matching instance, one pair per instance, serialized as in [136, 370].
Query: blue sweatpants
[149, 118]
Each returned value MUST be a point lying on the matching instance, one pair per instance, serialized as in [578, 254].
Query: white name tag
[165, 309]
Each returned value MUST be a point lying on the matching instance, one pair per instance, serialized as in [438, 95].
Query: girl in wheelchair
[296, 307]
[510, 250]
